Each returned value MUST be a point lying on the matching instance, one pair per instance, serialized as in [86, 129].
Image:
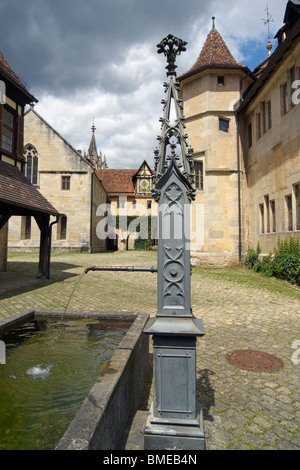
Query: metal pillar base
[174, 436]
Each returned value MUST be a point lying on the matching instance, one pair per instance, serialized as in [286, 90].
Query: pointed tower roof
[92, 151]
[214, 54]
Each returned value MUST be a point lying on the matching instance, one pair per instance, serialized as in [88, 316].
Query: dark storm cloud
[60, 46]
[96, 59]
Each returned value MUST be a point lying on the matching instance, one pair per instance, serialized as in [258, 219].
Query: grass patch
[250, 279]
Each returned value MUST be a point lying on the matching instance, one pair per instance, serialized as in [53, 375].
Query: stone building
[67, 179]
[209, 91]
[244, 128]
[269, 116]
[131, 201]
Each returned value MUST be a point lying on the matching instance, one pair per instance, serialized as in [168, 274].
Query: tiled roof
[16, 190]
[117, 182]
[8, 71]
[214, 53]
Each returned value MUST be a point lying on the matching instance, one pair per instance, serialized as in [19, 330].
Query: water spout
[120, 268]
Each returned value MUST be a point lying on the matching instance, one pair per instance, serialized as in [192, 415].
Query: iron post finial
[171, 47]
[213, 22]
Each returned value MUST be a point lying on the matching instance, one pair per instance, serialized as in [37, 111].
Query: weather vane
[267, 21]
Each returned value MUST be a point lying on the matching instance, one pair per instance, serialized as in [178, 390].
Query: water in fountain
[39, 398]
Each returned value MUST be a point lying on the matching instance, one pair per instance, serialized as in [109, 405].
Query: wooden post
[43, 223]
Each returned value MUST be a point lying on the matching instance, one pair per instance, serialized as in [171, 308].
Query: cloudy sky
[86, 59]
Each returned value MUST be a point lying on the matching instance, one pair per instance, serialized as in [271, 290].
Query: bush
[284, 264]
[252, 257]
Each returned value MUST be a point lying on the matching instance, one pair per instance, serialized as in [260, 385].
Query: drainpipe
[239, 169]
[49, 244]
[239, 187]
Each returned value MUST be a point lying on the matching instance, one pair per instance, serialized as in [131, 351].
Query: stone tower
[209, 90]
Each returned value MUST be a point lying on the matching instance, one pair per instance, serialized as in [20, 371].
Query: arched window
[31, 157]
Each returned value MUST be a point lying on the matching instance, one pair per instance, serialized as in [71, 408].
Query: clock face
[144, 184]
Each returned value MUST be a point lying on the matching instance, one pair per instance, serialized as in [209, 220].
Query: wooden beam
[3, 219]
[43, 224]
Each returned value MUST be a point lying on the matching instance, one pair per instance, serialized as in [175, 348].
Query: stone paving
[239, 309]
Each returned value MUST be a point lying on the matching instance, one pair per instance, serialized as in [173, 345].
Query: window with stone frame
[273, 215]
[224, 125]
[62, 228]
[26, 227]
[198, 168]
[262, 218]
[297, 204]
[267, 204]
[289, 208]
[7, 131]
[66, 183]
[31, 168]
[284, 98]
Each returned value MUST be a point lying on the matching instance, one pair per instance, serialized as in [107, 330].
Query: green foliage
[143, 225]
[284, 264]
[289, 246]
[142, 244]
[252, 256]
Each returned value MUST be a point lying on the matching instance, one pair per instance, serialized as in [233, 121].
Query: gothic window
[31, 158]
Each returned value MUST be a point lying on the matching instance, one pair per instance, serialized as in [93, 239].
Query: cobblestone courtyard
[240, 310]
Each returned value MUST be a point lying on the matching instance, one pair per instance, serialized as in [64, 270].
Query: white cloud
[127, 87]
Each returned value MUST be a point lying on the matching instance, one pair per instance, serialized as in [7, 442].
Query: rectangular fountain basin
[112, 401]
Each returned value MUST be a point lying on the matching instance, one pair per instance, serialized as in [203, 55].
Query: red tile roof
[16, 190]
[7, 69]
[214, 53]
[10, 74]
[117, 182]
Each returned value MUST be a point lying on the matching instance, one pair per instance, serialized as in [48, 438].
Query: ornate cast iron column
[175, 420]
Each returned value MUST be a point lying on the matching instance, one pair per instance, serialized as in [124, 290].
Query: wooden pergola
[18, 197]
